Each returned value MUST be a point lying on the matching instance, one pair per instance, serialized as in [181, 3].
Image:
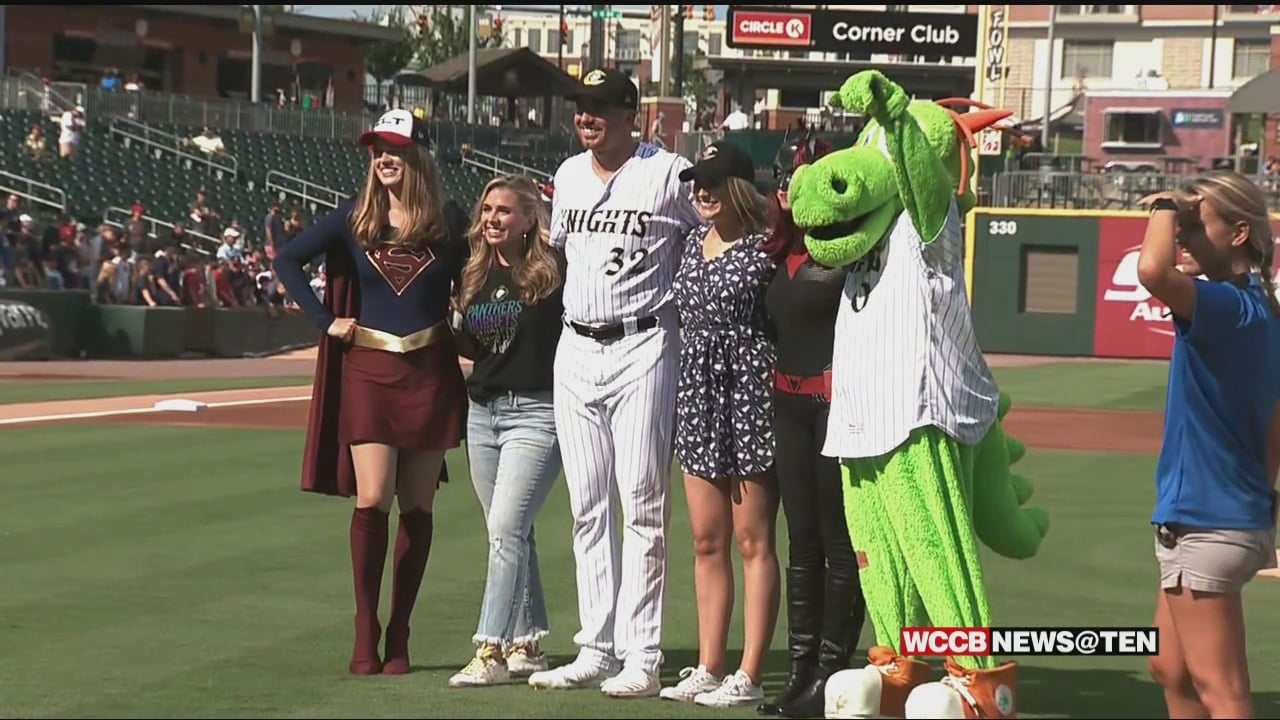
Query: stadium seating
[111, 171]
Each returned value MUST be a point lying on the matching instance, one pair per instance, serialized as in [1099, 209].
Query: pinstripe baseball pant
[615, 412]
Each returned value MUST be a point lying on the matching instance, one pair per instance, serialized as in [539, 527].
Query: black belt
[614, 330]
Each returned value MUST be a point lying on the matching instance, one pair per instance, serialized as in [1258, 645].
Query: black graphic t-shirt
[513, 345]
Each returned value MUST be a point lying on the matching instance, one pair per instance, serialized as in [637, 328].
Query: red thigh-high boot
[368, 556]
[413, 546]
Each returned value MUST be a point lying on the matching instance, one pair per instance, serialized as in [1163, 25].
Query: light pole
[1048, 81]
[472, 30]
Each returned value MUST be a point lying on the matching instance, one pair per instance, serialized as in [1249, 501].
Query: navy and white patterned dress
[724, 399]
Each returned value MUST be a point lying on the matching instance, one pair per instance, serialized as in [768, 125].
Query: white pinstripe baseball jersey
[906, 355]
[622, 238]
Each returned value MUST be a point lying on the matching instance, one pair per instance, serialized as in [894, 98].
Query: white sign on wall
[989, 143]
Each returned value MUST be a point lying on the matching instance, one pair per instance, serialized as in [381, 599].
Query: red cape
[327, 468]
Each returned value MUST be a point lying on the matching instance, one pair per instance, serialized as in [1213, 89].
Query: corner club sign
[894, 33]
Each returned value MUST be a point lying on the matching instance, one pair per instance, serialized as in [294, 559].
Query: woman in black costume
[825, 609]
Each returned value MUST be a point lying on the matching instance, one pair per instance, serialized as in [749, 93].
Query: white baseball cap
[399, 128]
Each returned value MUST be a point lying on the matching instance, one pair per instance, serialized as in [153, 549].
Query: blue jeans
[515, 459]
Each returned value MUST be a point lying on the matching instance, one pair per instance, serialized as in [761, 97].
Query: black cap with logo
[608, 87]
[718, 162]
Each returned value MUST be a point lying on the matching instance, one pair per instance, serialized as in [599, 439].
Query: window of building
[1133, 128]
[1089, 10]
[692, 45]
[1086, 59]
[1251, 9]
[715, 44]
[628, 45]
[535, 40]
[1250, 58]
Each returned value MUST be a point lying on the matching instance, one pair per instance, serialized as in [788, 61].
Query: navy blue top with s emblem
[402, 290]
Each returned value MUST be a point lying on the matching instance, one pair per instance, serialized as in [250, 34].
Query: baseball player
[620, 213]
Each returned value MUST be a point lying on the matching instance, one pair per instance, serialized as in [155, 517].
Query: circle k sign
[772, 28]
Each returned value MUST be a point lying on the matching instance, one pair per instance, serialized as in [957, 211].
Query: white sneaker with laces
[525, 659]
[737, 690]
[486, 668]
[578, 674]
[632, 682]
[693, 682]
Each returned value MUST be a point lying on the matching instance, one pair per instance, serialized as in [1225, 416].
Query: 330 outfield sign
[896, 33]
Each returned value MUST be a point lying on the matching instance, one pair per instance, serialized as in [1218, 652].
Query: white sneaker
[486, 668]
[525, 659]
[693, 681]
[632, 682]
[577, 674]
[737, 690]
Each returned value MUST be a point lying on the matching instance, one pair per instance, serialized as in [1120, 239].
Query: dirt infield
[298, 362]
[293, 364]
[287, 408]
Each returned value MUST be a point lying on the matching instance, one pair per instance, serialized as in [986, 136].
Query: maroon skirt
[412, 401]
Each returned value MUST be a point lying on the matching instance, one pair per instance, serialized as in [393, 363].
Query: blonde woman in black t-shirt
[510, 306]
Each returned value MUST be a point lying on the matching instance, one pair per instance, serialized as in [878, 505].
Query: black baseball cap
[399, 128]
[609, 87]
[718, 162]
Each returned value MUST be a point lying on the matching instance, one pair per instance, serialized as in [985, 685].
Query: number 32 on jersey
[621, 261]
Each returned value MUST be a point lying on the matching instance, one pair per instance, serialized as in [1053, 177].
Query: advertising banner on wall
[26, 333]
[1129, 322]
[856, 31]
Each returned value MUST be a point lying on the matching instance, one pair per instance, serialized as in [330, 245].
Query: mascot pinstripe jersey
[935, 374]
[915, 416]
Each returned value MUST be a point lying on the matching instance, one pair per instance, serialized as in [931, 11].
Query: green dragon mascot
[915, 415]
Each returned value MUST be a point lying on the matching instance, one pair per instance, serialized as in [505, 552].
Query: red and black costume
[825, 609]
[397, 383]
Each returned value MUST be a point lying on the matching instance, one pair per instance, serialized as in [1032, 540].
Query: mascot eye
[839, 185]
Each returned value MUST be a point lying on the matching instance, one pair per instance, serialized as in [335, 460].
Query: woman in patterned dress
[724, 424]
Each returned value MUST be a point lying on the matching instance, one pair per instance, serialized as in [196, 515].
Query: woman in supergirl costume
[825, 609]
[389, 396]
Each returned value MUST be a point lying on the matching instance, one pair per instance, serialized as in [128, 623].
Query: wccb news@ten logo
[1000, 641]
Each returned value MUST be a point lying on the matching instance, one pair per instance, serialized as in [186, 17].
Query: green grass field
[178, 572]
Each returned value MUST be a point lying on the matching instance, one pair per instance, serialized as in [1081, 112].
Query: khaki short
[1209, 560]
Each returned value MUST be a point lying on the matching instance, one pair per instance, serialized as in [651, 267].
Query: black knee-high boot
[844, 612]
[805, 589]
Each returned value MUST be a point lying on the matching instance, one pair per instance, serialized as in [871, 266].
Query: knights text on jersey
[622, 238]
[906, 355]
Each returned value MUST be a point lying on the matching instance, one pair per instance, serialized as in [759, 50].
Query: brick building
[198, 50]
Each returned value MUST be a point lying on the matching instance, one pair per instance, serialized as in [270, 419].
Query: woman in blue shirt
[1215, 507]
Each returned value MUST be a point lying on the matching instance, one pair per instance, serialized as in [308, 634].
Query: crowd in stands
[129, 265]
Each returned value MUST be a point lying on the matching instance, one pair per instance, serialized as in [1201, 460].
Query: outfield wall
[44, 324]
[1063, 282]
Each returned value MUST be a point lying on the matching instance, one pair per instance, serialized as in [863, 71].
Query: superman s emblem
[399, 265]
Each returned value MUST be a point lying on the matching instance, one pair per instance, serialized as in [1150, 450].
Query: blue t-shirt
[1224, 379]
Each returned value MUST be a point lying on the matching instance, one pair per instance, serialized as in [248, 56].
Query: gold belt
[379, 340]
